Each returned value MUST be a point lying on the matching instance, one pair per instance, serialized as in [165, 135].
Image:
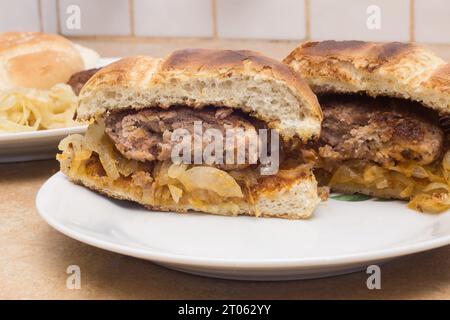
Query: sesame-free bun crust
[245, 80]
[393, 69]
[37, 60]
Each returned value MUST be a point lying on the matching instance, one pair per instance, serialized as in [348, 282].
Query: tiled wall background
[425, 21]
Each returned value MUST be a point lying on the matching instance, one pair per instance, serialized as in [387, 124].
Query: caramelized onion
[210, 178]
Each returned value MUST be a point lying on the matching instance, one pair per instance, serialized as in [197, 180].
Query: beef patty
[145, 135]
[383, 130]
[77, 80]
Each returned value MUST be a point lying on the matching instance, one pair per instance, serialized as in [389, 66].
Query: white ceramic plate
[33, 145]
[341, 237]
[37, 145]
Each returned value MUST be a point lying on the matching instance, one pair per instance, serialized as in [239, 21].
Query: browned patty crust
[383, 130]
[77, 80]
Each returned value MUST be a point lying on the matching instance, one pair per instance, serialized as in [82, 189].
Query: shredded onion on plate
[24, 109]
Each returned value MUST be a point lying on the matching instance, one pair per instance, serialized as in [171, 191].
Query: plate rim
[177, 259]
[49, 133]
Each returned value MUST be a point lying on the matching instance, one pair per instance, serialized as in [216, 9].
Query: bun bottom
[423, 186]
[295, 201]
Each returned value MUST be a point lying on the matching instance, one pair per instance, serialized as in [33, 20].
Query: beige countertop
[34, 257]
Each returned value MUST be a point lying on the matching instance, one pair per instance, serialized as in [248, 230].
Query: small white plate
[37, 145]
[341, 237]
[33, 145]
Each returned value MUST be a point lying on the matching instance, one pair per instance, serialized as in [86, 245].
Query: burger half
[138, 104]
[385, 110]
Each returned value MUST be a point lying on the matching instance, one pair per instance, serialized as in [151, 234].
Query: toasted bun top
[390, 69]
[36, 60]
[245, 80]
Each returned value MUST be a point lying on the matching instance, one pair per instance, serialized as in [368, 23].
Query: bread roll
[38, 60]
